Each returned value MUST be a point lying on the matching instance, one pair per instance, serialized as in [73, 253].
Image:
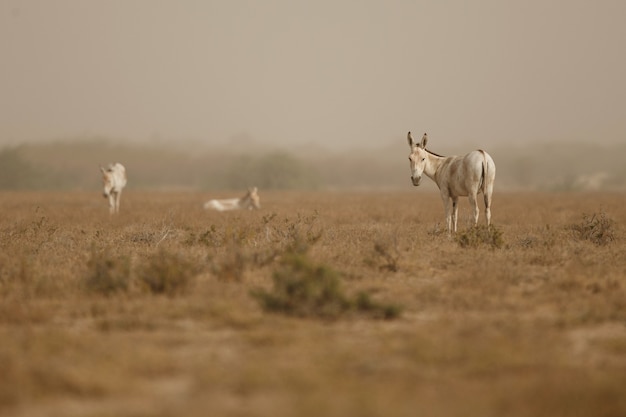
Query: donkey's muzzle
[416, 181]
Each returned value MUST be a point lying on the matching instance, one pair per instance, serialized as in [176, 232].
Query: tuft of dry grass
[386, 254]
[167, 273]
[596, 228]
[108, 274]
[473, 237]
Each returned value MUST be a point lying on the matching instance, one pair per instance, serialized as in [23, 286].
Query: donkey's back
[468, 175]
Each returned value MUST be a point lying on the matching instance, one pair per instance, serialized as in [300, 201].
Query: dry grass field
[319, 304]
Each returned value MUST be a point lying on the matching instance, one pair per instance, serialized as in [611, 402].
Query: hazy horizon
[335, 74]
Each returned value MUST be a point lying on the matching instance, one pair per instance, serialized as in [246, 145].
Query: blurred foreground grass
[151, 313]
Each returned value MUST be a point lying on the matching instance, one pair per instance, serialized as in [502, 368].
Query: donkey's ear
[102, 169]
[424, 141]
[409, 139]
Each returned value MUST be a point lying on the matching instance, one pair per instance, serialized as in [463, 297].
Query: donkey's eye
[423, 159]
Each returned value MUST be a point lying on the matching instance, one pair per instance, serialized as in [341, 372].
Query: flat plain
[154, 313]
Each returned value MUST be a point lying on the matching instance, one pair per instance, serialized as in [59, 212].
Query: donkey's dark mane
[432, 153]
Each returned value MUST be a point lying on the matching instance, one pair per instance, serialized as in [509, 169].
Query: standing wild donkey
[249, 201]
[456, 176]
[114, 178]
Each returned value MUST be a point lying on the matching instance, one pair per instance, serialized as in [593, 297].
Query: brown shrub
[596, 228]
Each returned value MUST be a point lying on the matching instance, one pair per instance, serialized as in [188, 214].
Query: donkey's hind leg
[455, 211]
[447, 208]
[474, 204]
[488, 207]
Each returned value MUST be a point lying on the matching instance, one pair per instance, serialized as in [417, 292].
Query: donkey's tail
[483, 174]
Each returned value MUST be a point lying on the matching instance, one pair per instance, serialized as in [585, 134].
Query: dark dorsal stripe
[435, 154]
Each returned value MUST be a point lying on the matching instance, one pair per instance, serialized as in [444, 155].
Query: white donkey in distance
[114, 179]
[456, 176]
[249, 201]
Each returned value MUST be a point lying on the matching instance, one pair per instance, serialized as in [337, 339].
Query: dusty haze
[333, 73]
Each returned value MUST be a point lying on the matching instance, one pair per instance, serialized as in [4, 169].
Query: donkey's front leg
[112, 203]
[118, 197]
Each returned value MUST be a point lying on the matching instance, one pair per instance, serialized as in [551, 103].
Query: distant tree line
[17, 173]
[75, 166]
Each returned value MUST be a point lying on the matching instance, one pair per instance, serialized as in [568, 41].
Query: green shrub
[481, 235]
[304, 289]
[365, 304]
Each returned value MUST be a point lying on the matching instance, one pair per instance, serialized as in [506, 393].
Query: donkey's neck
[433, 163]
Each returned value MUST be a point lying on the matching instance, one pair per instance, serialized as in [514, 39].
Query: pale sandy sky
[333, 72]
